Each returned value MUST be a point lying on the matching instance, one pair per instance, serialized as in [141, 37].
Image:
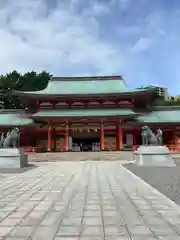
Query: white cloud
[34, 37]
[102, 37]
[97, 8]
[142, 44]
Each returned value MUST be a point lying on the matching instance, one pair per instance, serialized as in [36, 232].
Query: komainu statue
[149, 138]
[2, 140]
[12, 139]
[159, 137]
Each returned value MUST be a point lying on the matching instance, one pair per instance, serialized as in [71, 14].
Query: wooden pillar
[49, 142]
[102, 136]
[54, 138]
[66, 137]
[134, 137]
[174, 136]
[119, 137]
[70, 143]
[38, 105]
[53, 105]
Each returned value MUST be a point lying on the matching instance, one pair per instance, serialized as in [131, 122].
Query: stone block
[12, 159]
[153, 156]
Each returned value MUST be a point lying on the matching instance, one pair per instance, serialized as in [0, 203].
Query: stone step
[81, 156]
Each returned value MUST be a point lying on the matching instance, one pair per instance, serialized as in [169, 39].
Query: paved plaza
[88, 200]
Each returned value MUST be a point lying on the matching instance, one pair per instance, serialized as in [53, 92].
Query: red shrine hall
[89, 114]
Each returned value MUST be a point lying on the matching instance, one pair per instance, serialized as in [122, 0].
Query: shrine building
[89, 114]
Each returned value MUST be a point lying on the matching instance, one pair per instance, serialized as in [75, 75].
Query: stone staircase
[81, 156]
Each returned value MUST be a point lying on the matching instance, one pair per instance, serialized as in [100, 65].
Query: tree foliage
[30, 81]
[160, 101]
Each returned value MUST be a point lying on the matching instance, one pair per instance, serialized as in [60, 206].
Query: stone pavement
[84, 201]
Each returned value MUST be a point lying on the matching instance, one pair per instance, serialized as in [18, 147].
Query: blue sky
[139, 39]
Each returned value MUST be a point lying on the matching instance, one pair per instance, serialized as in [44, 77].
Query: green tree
[30, 81]
[7, 84]
[159, 102]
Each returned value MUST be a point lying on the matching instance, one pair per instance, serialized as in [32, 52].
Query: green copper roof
[160, 116]
[84, 113]
[83, 86]
[13, 119]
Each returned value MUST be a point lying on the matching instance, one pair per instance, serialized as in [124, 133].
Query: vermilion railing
[32, 150]
[134, 148]
[174, 148]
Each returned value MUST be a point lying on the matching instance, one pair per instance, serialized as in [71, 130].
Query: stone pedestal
[153, 156]
[13, 158]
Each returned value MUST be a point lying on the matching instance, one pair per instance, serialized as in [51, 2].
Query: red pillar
[134, 140]
[49, 143]
[53, 104]
[54, 138]
[38, 105]
[174, 136]
[70, 135]
[119, 137]
[134, 137]
[66, 138]
[102, 137]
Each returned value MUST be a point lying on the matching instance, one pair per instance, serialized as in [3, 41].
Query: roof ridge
[164, 108]
[17, 111]
[87, 78]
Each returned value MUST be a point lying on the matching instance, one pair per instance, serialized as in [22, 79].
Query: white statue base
[12, 158]
[153, 156]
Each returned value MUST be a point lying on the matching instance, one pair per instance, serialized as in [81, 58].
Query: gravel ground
[165, 179]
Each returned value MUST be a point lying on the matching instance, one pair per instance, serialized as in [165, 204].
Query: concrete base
[13, 158]
[153, 156]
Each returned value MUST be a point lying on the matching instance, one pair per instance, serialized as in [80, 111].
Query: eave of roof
[78, 113]
[11, 118]
[159, 115]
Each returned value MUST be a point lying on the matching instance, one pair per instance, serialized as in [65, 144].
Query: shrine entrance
[85, 141]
